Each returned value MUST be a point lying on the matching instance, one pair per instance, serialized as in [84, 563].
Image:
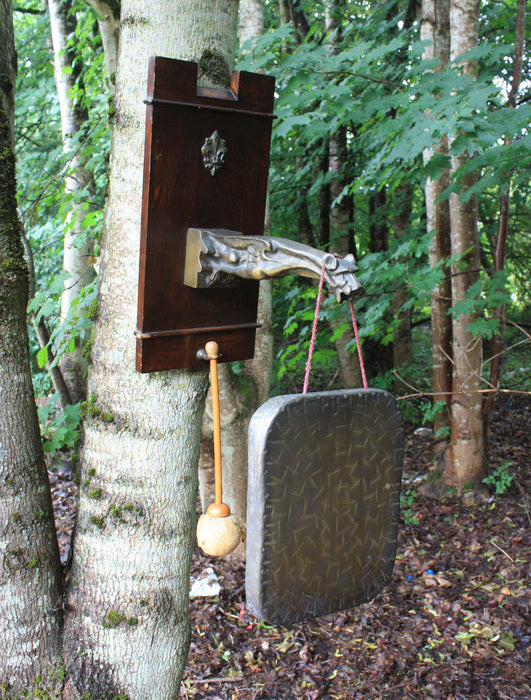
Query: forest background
[351, 169]
[381, 140]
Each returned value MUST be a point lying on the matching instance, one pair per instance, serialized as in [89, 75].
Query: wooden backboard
[174, 321]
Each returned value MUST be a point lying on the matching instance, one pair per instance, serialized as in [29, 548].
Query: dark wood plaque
[175, 321]
[323, 502]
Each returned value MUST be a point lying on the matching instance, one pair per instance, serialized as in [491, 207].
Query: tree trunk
[340, 206]
[324, 199]
[402, 200]
[78, 246]
[242, 393]
[378, 230]
[436, 29]
[466, 436]
[402, 345]
[378, 357]
[498, 340]
[251, 19]
[261, 366]
[30, 570]
[109, 26]
[284, 8]
[127, 627]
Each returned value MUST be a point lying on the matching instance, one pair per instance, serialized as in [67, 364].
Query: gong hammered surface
[323, 502]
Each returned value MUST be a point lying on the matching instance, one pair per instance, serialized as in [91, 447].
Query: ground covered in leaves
[454, 622]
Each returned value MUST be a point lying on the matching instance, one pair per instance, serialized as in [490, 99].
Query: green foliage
[500, 479]
[389, 103]
[483, 297]
[59, 430]
[430, 411]
[294, 306]
[378, 88]
[377, 85]
[407, 499]
[113, 619]
[44, 162]
[77, 326]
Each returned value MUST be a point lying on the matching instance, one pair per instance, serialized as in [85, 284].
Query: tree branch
[382, 81]
[29, 10]
[42, 332]
[105, 11]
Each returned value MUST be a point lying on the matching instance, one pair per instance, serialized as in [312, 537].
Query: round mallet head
[218, 531]
[212, 350]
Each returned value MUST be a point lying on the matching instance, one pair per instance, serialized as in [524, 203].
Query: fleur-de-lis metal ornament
[214, 150]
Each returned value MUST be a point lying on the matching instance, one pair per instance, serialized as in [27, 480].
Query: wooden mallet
[218, 531]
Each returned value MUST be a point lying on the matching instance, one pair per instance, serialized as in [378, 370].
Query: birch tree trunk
[466, 436]
[251, 19]
[261, 366]
[30, 570]
[285, 11]
[78, 246]
[127, 627]
[435, 28]
[109, 26]
[340, 225]
[240, 394]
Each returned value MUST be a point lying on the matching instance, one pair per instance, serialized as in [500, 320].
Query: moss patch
[98, 521]
[213, 68]
[91, 409]
[113, 619]
[12, 259]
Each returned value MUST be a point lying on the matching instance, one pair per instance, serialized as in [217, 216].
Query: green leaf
[507, 641]
[486, 327]
[42, 357]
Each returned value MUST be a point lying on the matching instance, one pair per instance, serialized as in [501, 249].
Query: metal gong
[323, 502]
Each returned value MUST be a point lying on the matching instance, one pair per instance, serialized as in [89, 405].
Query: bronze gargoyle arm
[215, 258]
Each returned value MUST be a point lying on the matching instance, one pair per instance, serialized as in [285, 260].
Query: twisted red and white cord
[360, 356]
[314, 333]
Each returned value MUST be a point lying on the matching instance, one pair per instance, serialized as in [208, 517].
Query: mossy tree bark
[30, 570]
[127, 627]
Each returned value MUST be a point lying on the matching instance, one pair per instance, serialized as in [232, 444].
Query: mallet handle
[212, 350]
